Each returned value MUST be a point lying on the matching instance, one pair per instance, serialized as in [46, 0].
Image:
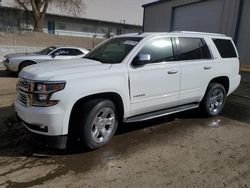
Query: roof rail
[195, 32]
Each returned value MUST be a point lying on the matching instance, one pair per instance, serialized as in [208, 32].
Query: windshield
[113, 50]
[46, 51]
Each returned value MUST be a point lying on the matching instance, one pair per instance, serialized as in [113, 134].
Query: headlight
[6, 60]
[40, 93]
[48, 87]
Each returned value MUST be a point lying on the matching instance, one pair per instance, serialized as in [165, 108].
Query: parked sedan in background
[16, 62]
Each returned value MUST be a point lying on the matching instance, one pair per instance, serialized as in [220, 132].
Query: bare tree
[39, 9]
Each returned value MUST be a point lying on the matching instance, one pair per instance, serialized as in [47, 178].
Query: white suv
[128, 78]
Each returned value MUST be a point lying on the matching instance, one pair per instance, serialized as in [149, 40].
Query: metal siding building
[230, 17]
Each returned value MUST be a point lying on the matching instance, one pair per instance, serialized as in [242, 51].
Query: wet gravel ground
[183, 150]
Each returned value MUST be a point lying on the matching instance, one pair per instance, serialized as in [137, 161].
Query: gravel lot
[184, 150]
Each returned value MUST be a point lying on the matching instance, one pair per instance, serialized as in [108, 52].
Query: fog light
[43, 126]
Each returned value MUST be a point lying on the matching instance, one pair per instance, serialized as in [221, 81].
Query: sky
[106, 10]
[116, 10]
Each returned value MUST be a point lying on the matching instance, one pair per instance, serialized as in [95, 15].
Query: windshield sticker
[130, 42]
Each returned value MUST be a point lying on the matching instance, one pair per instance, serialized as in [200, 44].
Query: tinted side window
[204, 50]
[160, 50]
[193, 48]
[225, 48]
[75, 52]
[62, 52]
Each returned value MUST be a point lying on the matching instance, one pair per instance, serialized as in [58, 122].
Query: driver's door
[155, 85]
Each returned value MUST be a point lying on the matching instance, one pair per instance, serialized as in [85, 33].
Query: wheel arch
[26, 61]
[223, 80]
[114, 97]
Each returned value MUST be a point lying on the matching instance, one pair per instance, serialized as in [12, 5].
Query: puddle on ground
[217, 122]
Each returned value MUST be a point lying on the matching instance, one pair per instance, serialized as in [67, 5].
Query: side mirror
[53, 55]
[141, 60]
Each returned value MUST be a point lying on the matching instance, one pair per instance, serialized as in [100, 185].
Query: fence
[13, 29]
[14, 36]
[14, 40]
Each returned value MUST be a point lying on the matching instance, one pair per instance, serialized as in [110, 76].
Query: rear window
[193, 48]
[225, 48]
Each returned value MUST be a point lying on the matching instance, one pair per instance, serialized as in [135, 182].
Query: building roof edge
[154, 3]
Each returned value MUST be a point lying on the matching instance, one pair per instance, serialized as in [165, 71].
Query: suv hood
[46, 71]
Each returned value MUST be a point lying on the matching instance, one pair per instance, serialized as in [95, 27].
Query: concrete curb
[245, 68]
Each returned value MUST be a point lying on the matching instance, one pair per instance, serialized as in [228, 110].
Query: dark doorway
[51, 27]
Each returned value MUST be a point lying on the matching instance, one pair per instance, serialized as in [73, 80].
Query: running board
[165, 112]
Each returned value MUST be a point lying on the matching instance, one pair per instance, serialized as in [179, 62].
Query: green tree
[40, 7]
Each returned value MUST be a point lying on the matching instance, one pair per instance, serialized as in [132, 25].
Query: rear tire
[97, 122]
[214, 100]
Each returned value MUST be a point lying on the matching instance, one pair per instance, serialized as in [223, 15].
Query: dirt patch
[184, 150]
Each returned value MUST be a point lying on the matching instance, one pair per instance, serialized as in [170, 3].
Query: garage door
[205, 16]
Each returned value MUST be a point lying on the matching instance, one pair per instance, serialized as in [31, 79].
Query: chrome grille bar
[23, 89]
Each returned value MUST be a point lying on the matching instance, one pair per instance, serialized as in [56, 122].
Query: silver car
[16, 62]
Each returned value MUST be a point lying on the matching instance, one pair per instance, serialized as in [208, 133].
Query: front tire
[25, 64]
[98, 122]
[214, 100]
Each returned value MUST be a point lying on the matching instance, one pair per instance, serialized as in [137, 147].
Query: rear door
[197, 67]
[155, 85]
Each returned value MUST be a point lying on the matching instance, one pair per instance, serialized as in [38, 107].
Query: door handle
[207, 67]
[172, 72]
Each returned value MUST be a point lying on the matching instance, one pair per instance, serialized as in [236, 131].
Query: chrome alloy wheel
[103, 125]
[216, 100]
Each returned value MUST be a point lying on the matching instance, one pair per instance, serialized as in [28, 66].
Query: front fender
[78, 89]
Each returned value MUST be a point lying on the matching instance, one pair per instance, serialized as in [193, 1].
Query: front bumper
[11, 66]
[46, 121]
[59, 142]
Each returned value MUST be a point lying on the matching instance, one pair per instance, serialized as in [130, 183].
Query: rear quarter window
[225, 48]
[75, 52]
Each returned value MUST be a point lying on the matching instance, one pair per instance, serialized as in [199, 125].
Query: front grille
[23, 91]
[23, 98]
